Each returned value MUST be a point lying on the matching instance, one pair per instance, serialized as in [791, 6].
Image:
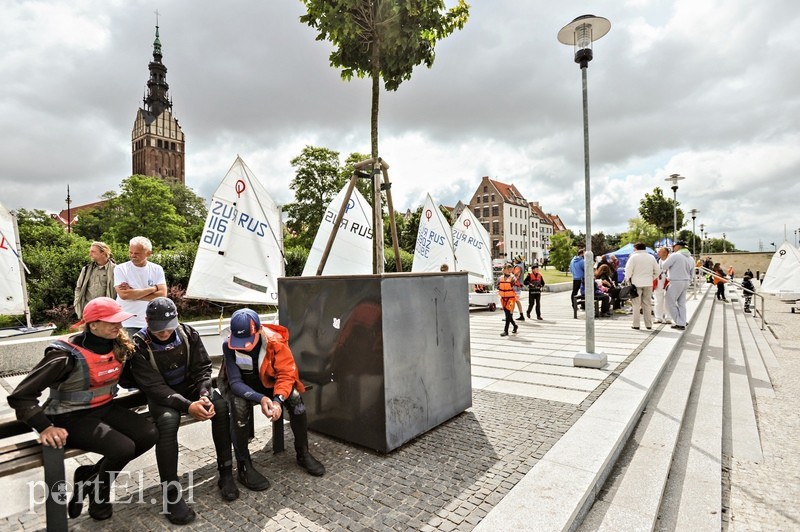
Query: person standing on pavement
[508, 298]
[660, 285]
[96, 278]
[173, 369]
[641, 270]
[535, 283]
[576, 269]
[518, 272]
[680, 267]
[259, 369]
[138, 282]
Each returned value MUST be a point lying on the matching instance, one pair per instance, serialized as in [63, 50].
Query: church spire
[157, 99]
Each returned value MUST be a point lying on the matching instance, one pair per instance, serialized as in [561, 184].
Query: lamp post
[694, 237]
[69, 212]
[674, 178]
[580, 33]
[724, 246]
[702, 238]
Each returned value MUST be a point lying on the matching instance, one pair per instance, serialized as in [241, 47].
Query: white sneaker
[657, 320]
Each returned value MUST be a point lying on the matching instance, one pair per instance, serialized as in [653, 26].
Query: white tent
[783, 274]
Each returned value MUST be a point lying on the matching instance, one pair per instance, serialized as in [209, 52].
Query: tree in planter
[382, 39]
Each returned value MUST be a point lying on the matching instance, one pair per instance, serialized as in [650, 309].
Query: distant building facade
[157, 141]
[517, 227]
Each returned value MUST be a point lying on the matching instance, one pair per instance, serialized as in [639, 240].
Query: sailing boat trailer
[483, 299]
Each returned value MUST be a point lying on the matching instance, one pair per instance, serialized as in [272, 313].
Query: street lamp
[702, 238]
[580, 33]
[674, 178]
[724, 247]
[694, 236]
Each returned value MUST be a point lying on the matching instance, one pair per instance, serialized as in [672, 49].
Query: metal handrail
[754, 293]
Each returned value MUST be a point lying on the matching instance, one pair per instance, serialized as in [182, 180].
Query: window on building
[486, 212]
[478, 212]
[495, 228]
[478, 199]
[495, 210]
[485, 188]
[485, 226]
[486, 198]
[492, 196]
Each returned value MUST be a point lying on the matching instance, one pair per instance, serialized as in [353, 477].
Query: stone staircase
[671, 473]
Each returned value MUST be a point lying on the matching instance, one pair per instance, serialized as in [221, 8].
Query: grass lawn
[553, 276]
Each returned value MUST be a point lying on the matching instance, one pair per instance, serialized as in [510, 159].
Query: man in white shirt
[640, 271]
[138, 282]
[680, 267]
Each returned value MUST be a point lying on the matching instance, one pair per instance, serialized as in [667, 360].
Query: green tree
[382, 39]
[146, 208]
[658, 210]
[641, 231]
[192, 208]
[93, 224]
[37, 228]
[318, 178]
[561, 251]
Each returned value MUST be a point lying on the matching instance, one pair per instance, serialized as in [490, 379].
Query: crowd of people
[129, 335]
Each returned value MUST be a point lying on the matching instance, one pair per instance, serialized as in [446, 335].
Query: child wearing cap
[172, 368]
[258, 368]
[82, 372]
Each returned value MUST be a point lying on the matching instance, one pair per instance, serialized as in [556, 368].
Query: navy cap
[245, 326]
[162, 314]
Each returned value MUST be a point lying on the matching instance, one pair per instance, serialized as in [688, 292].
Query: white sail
[351, 253]
[783, 274]
[12, 296]
[240, 255]
[471, 244]
[434, 247]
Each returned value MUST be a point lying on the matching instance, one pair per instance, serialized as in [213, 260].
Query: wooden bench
[29, 453]
[578, 299]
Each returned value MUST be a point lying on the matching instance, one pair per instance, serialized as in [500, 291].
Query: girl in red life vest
[508, 298]
[82, 373]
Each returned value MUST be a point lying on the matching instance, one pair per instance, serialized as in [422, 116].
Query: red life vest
[92, 383]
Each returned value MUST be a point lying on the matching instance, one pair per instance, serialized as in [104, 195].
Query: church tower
[157, 141]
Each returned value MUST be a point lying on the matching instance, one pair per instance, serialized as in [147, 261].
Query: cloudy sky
[703, 88]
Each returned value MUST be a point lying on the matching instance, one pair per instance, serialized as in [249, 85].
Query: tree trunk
[377, 210]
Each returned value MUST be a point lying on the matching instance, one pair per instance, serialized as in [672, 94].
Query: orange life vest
[505, 289]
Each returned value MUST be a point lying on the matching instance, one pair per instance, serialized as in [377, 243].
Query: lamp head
[581, 33]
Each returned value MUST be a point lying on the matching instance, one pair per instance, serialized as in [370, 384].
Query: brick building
[157, 141]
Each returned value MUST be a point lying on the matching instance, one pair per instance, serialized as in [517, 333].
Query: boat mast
[22, 269]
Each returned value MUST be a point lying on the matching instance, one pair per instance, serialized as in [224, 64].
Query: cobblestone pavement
[447, 479]
[764, 496]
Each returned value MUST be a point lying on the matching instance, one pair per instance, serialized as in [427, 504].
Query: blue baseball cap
[245, 326]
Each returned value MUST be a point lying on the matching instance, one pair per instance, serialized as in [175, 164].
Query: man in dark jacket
[172, 368]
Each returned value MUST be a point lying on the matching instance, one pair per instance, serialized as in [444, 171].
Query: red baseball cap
[103, 309]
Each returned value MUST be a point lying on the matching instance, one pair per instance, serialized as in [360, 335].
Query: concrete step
[767, 355]
[740, 437]
[760, 382]
[632, 495]
[693, 494]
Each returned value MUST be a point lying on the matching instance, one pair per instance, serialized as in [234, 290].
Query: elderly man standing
[96, 278]
[680, 267]
[138, 282]
[641, 269]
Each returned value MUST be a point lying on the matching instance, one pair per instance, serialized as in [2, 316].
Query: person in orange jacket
[508, 297]
[258, 368]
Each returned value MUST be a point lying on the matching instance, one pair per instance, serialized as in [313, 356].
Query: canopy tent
[783, 274]
[623, 254]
